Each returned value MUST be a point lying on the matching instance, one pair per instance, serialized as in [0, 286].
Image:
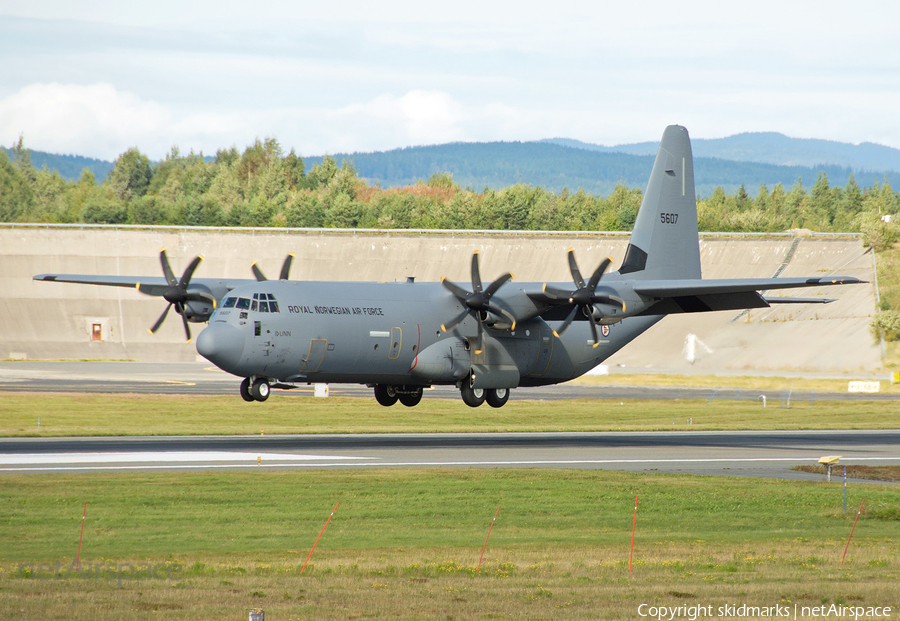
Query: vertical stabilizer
[664, 243]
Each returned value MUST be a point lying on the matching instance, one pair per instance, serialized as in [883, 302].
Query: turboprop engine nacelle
[445, 361]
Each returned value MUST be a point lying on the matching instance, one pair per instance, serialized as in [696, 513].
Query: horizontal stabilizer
[678, 288]
[799, 300]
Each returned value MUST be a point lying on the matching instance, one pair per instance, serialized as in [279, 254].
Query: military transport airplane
[400, 338]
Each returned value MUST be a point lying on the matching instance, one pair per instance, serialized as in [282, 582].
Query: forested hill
[68, 166]
[497, 165]
[745, 159]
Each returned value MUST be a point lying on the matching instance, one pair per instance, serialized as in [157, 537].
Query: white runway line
[175, 457]
[313, 461]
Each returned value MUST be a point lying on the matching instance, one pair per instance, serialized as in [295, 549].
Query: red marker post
[851, 531]
[633, 526]
[81, 537]
[488, 536]
[320, 536]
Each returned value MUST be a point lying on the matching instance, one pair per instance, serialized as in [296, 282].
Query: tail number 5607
[668, 218]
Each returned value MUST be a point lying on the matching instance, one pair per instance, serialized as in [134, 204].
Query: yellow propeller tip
[477, 351]
[291, 254]
[163, 249]
[572, 249]
[595, 344]
[443, 328]
[556, 334]
[137, 285]
[200, 256]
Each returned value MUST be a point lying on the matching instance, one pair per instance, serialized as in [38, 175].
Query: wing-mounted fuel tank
[446, 361]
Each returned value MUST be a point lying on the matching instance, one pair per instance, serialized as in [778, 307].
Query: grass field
[406, 544]
[108, 414]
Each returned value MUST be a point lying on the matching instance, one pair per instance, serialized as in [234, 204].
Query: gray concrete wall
[53, 320]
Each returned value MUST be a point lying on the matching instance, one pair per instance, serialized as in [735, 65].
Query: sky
[97, 78]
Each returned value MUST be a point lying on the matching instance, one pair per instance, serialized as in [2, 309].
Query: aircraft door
[396, 343]
[544, 352]
[313, 359]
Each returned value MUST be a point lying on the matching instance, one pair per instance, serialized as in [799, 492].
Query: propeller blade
[573, 267]
[455, 322]
[160, 321]
[258, 272]
[593, 326]
[492, 288]
[286, 267]
[167, 269]
[607, 295]
[199, 296]
[476, 274]
[556, 294]
[567, 322]
[187, 330]
[455, 289]
[189, 272]
[480, 338]
[595, 278]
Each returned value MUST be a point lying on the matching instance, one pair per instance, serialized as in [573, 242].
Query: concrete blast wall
[58, 320]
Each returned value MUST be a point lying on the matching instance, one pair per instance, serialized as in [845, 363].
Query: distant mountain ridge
[748, 159]
[555, 167]
[769, 148]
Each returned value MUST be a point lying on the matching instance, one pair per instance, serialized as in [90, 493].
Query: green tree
[131, 175]
[16, 196]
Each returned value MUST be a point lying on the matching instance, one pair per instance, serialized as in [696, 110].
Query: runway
[747, 453]
[186, 378]
[768, 454]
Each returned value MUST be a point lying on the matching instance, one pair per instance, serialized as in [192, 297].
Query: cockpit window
[229, 302]
[253, 305]
[264, 307]
[273, 306]
[243, 303]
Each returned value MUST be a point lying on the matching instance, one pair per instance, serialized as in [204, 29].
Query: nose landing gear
[255, 389]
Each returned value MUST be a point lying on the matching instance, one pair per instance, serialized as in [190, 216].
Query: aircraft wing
[151, 285]
[698, 295]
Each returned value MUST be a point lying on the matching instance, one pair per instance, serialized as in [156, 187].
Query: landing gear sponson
[387, 395]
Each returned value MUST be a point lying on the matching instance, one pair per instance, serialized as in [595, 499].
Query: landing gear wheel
[411, 399]
[385, 395]
[260, 390]
[245, 390]
[497, 397]
[473, 397]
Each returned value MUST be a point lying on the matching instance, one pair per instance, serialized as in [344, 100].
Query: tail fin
[664, 243]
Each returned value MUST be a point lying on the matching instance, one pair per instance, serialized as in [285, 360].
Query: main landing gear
[255, 389]
[387, 395]
[474, 397]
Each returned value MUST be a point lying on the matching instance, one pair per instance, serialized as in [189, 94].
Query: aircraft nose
[222, 344]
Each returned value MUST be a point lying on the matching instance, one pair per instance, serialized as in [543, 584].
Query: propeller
[285, 269]
[585, 296]
[478, 301]
[177, 294]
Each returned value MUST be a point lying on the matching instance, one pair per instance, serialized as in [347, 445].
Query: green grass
[406, 543]
[89, 414]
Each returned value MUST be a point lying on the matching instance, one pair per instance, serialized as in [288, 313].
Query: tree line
[264, 187]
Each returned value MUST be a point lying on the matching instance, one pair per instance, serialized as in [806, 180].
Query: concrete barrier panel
[58, 321]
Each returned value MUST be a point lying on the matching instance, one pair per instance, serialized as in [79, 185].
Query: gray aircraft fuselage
[380, 333]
